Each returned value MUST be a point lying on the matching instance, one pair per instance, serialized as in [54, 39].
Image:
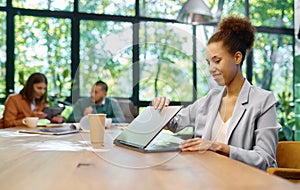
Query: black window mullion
[10, 45]
[75, 59]
[135, 58]
[135, 65]
[194, 63]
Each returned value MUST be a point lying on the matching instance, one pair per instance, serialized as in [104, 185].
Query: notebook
[145, 134]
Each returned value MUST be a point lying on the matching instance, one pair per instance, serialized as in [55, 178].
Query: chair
[288, 160]
[129, 110]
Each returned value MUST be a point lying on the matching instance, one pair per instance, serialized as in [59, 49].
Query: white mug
[30, 121]
[108, 122]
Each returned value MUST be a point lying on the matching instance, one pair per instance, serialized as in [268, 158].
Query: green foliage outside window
[54, 5]
[160, 8]
[272, 13]
[43, 45]
[165, 61]
[109, 7]
[2, 54]
[106, 54]
[286, 116]
[273, 62]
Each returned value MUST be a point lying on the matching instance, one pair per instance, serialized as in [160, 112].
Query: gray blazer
[253, 129]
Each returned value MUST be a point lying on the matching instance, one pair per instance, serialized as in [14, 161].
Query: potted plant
[286, 116]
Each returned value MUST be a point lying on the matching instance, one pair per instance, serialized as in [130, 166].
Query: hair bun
[240, 27]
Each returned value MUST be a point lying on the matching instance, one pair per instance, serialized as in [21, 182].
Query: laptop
[145, 133]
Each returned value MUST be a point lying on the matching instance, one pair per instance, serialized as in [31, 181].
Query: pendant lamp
[194, 12]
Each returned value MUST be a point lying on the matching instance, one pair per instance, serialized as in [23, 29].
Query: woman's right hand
[160, 102]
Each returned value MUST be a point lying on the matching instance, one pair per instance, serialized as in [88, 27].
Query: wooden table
[42, 162]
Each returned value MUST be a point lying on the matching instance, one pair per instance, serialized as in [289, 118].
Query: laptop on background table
[53, 129]
[145, 133]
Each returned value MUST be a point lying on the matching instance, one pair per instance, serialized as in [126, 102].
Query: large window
[106, 54]
[165, 61]
[273, 62]
[204, 79]
[137, 47]
[43, 45]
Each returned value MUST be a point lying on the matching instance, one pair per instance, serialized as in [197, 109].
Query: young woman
[238, 121]
[30, 102]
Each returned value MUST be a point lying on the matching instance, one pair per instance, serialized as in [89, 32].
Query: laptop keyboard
[165, 141]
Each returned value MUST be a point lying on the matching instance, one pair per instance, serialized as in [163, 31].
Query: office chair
[288, 160]
[129, 110]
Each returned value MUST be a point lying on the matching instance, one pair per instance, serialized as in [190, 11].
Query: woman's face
[223, 66]
[39, 90]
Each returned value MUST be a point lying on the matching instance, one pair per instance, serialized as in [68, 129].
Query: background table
[69, 162]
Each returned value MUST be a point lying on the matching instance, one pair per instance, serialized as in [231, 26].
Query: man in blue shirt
[97, 103]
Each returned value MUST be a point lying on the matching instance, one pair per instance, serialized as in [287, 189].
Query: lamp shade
[194, 12]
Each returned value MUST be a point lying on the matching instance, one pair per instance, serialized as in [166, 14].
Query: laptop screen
[144, 128]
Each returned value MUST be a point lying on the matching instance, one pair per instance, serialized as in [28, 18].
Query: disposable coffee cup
[30, 121]
[97, 128]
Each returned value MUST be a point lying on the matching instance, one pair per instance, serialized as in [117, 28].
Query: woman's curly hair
[237, 34]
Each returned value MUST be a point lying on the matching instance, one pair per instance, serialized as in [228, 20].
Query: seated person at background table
[30, 102]
[97, 103]
[239, 120]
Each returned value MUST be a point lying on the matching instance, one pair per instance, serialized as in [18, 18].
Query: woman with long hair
[30, 102]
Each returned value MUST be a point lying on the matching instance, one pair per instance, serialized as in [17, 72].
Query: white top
[219, 130]
[32, 105]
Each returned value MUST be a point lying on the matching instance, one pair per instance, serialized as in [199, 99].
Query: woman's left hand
[199, 144]
[57, 119]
